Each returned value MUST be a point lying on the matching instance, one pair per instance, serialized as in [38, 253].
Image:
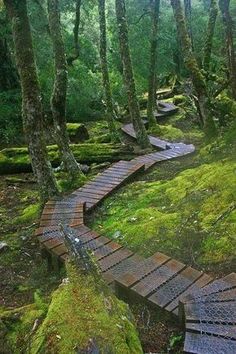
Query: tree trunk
[8, 74]
[105, 74]
[209, 36]
[188, 16]
[76, 53]
[134, 111]
[58, 99]
[151, 104]
[228, 24]
[192, 65]
[31, 97]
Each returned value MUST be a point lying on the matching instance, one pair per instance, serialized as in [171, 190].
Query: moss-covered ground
[83, 313]
[184, 208]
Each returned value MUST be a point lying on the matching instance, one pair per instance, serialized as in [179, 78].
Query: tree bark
[58, 99]
[8, 74]
[9, 78]
[228, 25]
[209, 36]
[76, 53]
[192, 65]
[151, 104]
[134, 111]
[31, 97]
[188, 16]
[110, 113]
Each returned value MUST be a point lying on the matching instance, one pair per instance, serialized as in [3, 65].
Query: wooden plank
[121, 268]
[227, 331]
[50, 244]
[106, 250]
[202, 281]
[206, 344]
[96, 190]
[93, 197]
[61, 216]
[96, 243]
[102, 186]
[158, 277]
[60, 250]
[175, 287]
[88, 236]
[41, 230]
[82, 229]
[218, 285]
[146, 267]
[221, 312]
[60, 210]
[110, 261]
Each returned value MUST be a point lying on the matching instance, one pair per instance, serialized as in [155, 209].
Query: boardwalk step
[219, 285]
[146, 286]
[145, 267]
[208, 344]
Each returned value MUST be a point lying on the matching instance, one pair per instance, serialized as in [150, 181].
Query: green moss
[167, 132]
[19, 323]
[29, 214]
[77, 132]
[80, 312]
[16, 160]
[181, 217]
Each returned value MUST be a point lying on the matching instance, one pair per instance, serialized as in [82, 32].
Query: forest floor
[174, 209]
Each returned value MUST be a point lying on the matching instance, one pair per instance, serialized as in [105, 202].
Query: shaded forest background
[85, 91]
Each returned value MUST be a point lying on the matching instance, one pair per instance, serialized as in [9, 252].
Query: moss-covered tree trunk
[31, 97]
[188, 16]
[76, 51]
[8, 74]
[228, 24]
[110, 115]
[134, 111]
[58, 99]
[192, 65]
[209, 35]
[151, 104]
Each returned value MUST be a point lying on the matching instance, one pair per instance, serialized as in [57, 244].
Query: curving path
[206, 307]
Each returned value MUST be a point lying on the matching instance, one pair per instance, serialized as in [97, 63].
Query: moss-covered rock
[77, 132]
[167, 132]
[81, 316]
[16, 160]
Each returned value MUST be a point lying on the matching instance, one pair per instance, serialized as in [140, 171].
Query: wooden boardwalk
[206, 307]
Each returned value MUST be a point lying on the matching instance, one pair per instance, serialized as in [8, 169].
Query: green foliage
[29, 214]
[10, 117]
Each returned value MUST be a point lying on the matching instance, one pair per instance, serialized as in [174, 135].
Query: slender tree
[228, 24]
[31, 97]
[209, 35]
[188, 16]
[151, 104]
[8, 73]
[110, 115]
[58, 99]
[192, 65]
[76, 52]
[134, 111]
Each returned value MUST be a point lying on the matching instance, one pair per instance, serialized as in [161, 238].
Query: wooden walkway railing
[207, 307]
